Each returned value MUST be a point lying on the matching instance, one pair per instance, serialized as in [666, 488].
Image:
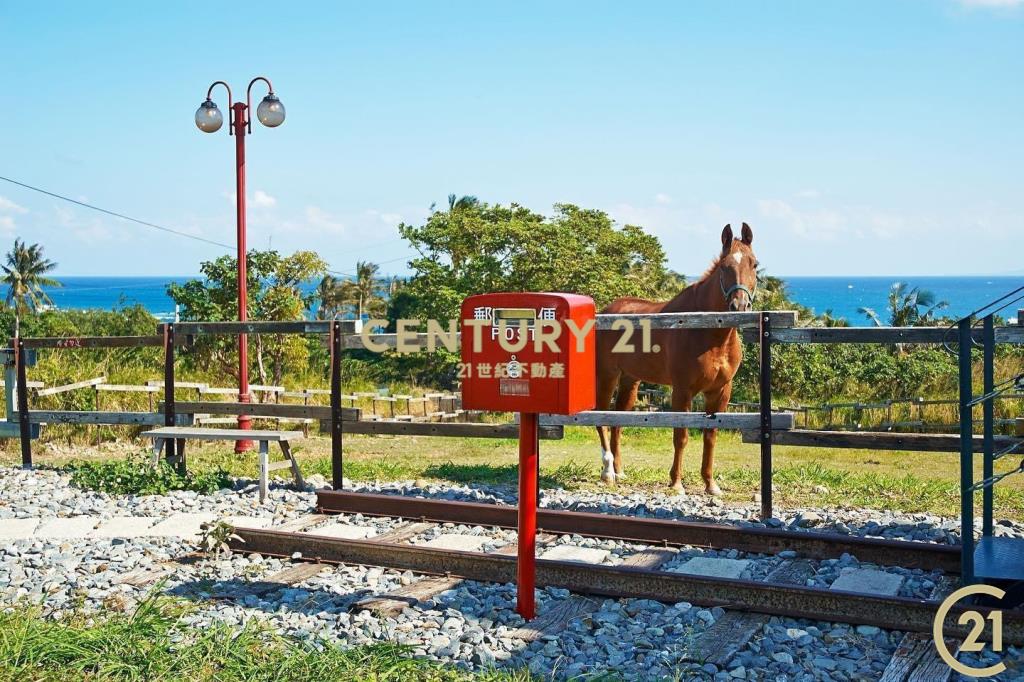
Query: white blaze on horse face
[738, 257]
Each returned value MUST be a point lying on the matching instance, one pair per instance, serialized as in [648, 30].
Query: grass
[134, 476]
[152, 644]
[804, 476]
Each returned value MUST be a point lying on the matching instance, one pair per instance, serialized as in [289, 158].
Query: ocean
[842, 295]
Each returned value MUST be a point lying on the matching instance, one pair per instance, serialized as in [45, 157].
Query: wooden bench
[264, 438]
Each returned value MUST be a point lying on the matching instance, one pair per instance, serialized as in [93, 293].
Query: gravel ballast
[471, 625]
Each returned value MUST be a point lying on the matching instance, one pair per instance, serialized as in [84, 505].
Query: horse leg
[624, 401]
[714, 402]
[681, 402]
[605, 387]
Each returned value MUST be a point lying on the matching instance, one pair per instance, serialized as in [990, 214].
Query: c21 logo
[975, 637]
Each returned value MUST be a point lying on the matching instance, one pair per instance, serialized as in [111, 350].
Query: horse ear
[747, 235]
[726, 238]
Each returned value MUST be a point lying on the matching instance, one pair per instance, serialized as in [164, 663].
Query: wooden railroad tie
[394, 601]
[735, 629]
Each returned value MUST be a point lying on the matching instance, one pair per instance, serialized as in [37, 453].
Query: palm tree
[908, 307]
[329, 293]
[456, 203]
[364, 292]
[828, 319]
[395, 284]
[25, 276]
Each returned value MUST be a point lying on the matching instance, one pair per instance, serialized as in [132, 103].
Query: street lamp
[209, 119]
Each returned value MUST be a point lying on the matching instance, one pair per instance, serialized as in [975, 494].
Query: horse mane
[711, 268]
[685, 300]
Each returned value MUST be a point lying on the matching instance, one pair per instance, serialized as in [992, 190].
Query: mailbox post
[530, 353]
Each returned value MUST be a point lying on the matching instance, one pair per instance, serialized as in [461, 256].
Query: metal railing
[989, 557]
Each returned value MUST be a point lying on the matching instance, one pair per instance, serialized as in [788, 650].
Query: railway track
[650, 531]
[783, 593]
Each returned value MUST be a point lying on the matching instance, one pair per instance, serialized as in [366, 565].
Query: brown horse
[692, 361]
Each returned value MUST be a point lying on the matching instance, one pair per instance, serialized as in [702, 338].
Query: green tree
[828, 319]
[25, 277]
[274, 293]
[672, 284]
[908, 307]
[364, 293]
[329, 294]
[456, 203]
[475, 247]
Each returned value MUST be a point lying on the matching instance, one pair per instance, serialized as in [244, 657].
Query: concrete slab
[344, 531]
[466, 543]
[250, 521]
[73, 527]
[17, 529]
[586, 555]
[182, 525]
[868, 581]
[713, 567]
[125, 527]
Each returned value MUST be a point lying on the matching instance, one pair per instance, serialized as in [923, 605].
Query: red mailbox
[529, 353]
[546, 364]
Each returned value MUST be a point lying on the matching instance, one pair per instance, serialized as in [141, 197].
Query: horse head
[737, 270]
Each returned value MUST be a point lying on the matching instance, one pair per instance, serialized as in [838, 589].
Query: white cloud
[7, 226]
[259, 199]
[388, 218]
[663, 199]
[818, 225]
[93, 229]
[887, 226]
[11, 207]
[808, 194]
[322, 221]
[94, 232]
[263, 200]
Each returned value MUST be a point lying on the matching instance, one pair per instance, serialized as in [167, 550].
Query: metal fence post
[25, 426]
[988, 418]
[337, 466]
[966, 455]
[765, 340]
[169, 417]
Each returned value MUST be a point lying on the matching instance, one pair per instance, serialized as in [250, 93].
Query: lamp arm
[227, 87]
[248, 97]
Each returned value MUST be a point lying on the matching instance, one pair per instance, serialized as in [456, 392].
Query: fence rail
[94, 417]
[675, 420]
[767, 327]
[66, 388]
[698, 320]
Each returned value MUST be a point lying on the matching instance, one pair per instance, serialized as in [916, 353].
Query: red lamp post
[209, 119]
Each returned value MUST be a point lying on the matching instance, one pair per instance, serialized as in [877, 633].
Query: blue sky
[855, 137]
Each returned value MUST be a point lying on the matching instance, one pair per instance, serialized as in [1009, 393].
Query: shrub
[135, 476]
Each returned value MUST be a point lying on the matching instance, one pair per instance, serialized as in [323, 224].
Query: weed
[151, 643]
[136, 476]
[215, 537]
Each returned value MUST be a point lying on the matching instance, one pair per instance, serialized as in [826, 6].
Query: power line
[116, 214]
[169, 230]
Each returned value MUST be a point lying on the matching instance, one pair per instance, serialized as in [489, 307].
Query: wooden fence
[764, 426]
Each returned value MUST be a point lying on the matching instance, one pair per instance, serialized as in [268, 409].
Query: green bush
[135, 476]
